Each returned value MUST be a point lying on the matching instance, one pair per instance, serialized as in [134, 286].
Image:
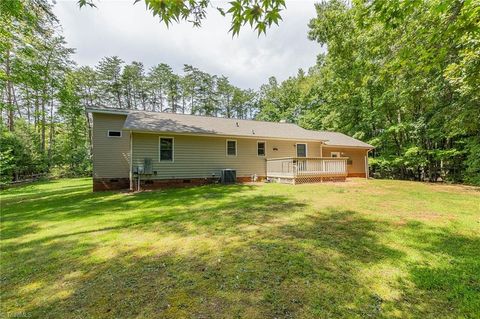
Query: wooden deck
[297, 170]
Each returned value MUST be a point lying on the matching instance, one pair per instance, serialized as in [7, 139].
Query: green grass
[375, 249]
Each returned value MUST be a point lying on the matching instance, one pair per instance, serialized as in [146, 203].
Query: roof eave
[106, 111]
[367, 147]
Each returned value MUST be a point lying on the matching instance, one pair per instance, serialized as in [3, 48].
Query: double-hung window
[231, 148]
[261, 148]
[166, 149]
[301, 150]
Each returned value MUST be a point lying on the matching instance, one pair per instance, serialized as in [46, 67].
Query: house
[152, 149]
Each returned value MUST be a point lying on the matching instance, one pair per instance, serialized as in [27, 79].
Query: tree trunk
[11, 119]
[51, 135]
[43, 124]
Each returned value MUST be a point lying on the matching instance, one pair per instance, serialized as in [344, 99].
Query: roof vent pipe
[283, 121]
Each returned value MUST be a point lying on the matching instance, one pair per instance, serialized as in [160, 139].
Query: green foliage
[402, 76]
[44, 123]
[7, 164]
[20, 155]
[34, 64]
[73, 143]
[259, 14]
[472, 163]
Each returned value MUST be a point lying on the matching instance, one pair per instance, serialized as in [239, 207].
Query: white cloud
[132, 33]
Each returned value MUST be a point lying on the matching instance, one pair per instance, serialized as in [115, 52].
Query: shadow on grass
[307, 267]
[450, 282]
[80, 203]
[270, 257]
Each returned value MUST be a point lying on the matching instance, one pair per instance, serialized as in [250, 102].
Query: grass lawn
[356, 249]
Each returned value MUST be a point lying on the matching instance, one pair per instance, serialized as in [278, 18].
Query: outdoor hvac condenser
[229, 176]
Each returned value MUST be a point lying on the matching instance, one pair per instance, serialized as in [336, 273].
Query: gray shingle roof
[142, 121]
[340, 139]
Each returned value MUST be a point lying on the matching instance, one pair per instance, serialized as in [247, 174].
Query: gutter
[369, 148]
[107, 111]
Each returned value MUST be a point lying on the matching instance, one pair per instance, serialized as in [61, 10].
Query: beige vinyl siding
[110, 154]
[201, 156]
[356, 155]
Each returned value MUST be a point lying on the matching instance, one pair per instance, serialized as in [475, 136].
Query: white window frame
[335, 153]
[160, 149]
[296, 149]
[264, 149]
[226, 148]
[121, 133]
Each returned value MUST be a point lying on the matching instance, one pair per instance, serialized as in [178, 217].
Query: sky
[132, 33]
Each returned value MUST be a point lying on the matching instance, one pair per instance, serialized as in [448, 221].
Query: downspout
[321, 149]
[131, 161]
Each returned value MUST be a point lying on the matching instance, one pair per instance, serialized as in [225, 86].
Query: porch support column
[366, 165]
[130, 174]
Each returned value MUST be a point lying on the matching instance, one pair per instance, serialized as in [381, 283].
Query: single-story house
[134, 148]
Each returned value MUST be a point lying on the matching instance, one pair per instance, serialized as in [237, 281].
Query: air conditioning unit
[229, 176]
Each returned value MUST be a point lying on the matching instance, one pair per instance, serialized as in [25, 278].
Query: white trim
[121, 133]
[339, 154]
[264, 149]
[306, 149]
[160, 149]
[107, 111]
[226, 147]
[367, 170]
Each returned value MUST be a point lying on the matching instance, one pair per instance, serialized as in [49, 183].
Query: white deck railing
[291, 167]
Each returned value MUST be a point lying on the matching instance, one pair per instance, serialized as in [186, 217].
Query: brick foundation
[356, 175]
[108, 184]
[105, 184]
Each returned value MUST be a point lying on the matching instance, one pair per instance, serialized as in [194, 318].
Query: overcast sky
[132, 33]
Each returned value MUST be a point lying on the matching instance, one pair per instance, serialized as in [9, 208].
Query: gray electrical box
[147, 166]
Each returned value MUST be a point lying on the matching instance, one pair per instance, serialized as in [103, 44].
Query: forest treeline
[403, 76]
[45, 127]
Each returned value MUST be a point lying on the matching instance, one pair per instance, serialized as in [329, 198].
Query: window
[261, 148]
[231, 148]
[166, 149]
[301, 150]
[114, 133]
[335, 154]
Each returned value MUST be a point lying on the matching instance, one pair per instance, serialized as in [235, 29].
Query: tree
[225, 95]
[110, 81]
[259, 14]
[73, 150]
[134, 86]
[400, 75]
[159, 78]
